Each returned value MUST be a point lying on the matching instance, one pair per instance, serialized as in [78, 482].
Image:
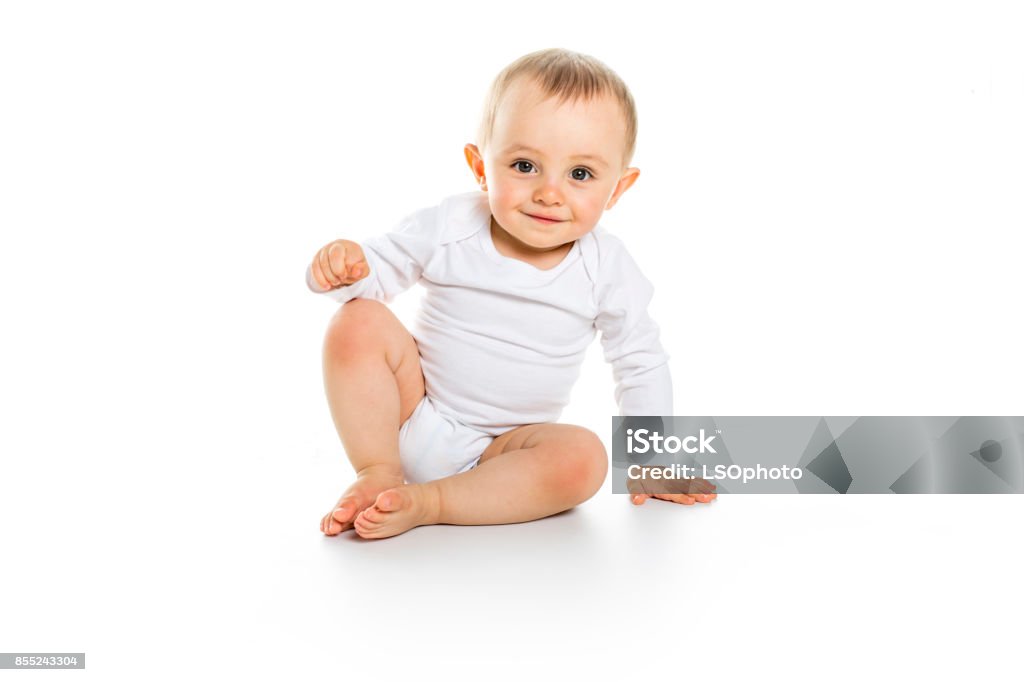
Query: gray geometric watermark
[845, 455]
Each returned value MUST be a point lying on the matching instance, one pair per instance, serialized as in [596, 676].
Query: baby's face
[557, 161]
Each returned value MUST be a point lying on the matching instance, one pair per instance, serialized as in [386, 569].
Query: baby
[456, 422]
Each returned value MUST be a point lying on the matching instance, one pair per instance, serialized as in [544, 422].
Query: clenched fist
[339, 264]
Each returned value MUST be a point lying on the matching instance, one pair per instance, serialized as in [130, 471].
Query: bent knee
[360, 325]
[581, 464]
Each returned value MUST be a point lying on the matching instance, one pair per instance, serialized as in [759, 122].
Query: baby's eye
[519, 165]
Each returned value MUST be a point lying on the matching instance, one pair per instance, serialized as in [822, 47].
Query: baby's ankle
[433, 509]
[382, 471]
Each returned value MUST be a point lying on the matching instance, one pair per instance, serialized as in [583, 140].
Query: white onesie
[501, 342]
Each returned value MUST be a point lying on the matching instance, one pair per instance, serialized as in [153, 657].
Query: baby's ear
[475, 160]
[629, 176]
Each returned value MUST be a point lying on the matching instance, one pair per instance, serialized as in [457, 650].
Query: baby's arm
[643, 384]
[630, 337]
[381, 267]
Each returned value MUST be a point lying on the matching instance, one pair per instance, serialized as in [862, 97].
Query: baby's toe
[371, 513]
[389, 500]
[366, 531]
[362, 526]
[329, 526]
[344, 512]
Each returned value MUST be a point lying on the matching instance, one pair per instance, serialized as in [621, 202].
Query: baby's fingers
[356, 271]
[323, 267]
[334, 261]
[347, 262]
[356, 267]
[704, 486]
[690, 498]
[318, 275]
[678, 498]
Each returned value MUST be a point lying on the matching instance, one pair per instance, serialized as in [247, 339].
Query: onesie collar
[463, 215]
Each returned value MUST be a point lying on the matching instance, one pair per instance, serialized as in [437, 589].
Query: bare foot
[358, 497]
[398, 510]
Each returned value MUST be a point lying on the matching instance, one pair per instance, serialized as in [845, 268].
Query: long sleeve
[396, 260]
[630, 338]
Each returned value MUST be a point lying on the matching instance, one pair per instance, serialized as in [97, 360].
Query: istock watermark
[828, 455]
[641, 440]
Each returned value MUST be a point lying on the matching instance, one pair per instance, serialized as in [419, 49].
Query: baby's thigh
[564, 438]
[366, 329]
[572, 457]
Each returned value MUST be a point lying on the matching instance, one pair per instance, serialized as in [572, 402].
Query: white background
[830, 210]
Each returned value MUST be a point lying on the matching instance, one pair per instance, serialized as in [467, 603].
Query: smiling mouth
[546, 221]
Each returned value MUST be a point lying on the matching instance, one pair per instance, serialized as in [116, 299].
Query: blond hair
[567, 75]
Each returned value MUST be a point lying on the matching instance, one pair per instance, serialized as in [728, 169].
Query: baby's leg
[525, 474]
[373, 382]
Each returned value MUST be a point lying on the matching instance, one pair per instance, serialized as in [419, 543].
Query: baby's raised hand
[339, 264]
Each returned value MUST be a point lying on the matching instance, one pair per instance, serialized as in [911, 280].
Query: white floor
[805, 586]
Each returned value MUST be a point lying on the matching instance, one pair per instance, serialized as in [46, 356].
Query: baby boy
[456, 422]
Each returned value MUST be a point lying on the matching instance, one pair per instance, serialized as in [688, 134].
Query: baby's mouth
[546, 221]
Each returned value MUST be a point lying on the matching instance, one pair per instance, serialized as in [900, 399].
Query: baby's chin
[547, 244]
